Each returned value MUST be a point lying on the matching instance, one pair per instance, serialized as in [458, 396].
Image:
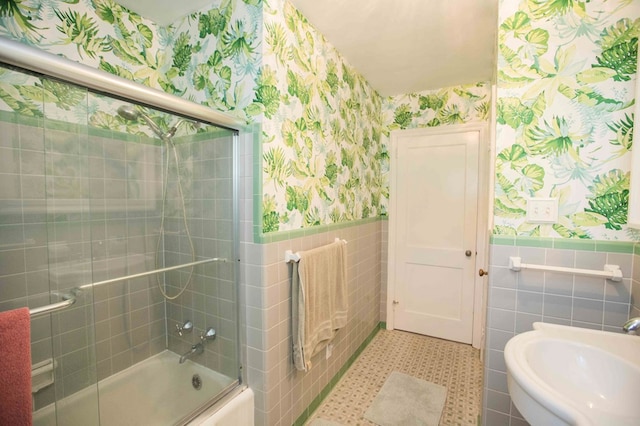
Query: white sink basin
[559, 375]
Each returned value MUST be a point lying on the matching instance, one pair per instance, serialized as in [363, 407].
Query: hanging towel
[319, 300]
[15, 367]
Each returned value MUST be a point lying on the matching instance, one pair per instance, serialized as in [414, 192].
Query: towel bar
[290, 256]
[611, 272]
[155, 271]
[54, 307]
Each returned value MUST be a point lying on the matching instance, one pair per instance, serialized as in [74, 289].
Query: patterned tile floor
[453, 365]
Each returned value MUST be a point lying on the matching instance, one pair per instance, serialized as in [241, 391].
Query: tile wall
[24, 255]
[69, 217]
[125, 189]
[518, 299]
[283, 394]
[384, 256]
[210, 299]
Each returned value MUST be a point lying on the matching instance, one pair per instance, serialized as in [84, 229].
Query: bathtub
[156, 391]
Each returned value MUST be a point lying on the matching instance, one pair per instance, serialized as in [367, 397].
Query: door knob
[482, 272]
[467, 253]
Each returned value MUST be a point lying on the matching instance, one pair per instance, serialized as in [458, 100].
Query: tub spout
[196, 349]
[632, 326]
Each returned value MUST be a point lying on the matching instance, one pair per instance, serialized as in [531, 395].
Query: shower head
[128, 112]
[131, 113]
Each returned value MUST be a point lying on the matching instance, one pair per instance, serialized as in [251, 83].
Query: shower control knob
[210, 334]
[185, 328]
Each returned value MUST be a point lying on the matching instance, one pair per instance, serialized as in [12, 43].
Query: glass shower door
[66, 155]
[44, 233]
[125, 219]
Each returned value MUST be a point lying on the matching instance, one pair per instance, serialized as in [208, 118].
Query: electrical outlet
[542, 210]
[329, 351]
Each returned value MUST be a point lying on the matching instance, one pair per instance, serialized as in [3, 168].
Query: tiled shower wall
[518, 299]
[79, 206]
[210, 300]
[125, 189]
[283, 393]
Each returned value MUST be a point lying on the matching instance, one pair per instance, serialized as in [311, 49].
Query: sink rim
[561, 405]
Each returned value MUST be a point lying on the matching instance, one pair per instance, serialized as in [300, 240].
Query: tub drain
[196, 382]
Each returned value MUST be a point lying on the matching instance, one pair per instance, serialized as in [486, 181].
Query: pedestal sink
[560, 375]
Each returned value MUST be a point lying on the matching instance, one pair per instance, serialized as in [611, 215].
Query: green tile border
[628, 247]
[534, 242]
[503, 240]
[570, 244]
[308, 412]
[274, 237]
[615, 246]
[13, 117]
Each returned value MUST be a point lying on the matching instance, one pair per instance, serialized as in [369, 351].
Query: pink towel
[15, 368]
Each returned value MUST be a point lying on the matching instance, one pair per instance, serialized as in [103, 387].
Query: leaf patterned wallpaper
[452, 105]
[566, 76]
[210, 57]
[261, 61]
[321, 129]
[326, 131]
[566, 73]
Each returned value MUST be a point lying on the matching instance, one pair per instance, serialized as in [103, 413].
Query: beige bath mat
[407, 401]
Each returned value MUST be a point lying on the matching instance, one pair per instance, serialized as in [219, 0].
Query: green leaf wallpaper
[566, 74]
[565, 96]
[320, 119]
[211, 57]
[321, 129]
[452, 105]
[325, 130]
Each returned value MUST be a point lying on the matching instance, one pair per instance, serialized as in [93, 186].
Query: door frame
[482, 231]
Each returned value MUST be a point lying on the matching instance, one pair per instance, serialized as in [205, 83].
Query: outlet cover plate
[542, 210]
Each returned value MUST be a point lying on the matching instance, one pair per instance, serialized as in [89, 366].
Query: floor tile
[454, 365]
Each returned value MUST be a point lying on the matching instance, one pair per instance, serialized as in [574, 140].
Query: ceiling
[406, 46]
[400, 46]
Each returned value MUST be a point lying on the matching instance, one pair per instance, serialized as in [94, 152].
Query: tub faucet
[196, 349]
[632, 326]
[187, 327]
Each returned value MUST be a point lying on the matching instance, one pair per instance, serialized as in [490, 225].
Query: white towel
[319, 300]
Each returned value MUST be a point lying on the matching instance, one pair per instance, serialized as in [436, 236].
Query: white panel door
[434, 218]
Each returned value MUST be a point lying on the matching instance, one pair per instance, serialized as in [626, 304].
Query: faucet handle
[187, 327]
[209, 334]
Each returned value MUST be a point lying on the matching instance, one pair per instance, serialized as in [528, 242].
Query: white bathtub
[157, 391]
